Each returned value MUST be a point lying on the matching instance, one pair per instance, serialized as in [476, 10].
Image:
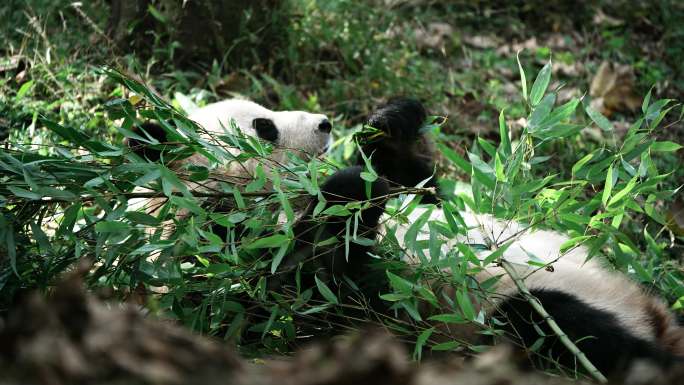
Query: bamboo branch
[219, 194]
[537, 306]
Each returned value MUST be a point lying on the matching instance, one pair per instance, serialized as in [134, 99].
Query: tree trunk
[241, 33]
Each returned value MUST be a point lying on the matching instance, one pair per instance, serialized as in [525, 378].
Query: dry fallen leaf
[482, 41]
[612, 89]
[557, 42]
[516, 125]
[567, 93]
[528, 45]
[601, 18]
[435, 36]
[570, 70]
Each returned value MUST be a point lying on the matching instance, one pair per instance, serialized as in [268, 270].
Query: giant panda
[304, 134]
[611, 319]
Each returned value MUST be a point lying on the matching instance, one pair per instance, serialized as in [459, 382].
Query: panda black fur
[611, 319]
[333, 262]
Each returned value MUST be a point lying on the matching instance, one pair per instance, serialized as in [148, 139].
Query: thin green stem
[537, 306]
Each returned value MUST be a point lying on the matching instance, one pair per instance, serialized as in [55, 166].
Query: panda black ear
[265, 129]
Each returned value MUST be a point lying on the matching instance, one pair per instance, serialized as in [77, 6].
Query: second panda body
[610, 318]
[536, 257]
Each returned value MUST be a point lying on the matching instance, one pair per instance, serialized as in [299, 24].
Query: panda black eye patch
[265, 129]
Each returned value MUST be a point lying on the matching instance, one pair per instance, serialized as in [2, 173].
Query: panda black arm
[333, 261]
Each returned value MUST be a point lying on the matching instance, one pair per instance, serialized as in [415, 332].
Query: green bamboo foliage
[72, 203]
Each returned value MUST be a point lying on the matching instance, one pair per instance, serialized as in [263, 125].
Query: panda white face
[299, 131]
[303, 131]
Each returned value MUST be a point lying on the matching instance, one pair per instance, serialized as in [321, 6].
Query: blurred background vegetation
[343, 58]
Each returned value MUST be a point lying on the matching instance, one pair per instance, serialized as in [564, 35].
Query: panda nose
[325, 126]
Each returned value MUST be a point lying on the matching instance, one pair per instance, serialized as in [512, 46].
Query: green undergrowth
[73, 203]
[67, 179]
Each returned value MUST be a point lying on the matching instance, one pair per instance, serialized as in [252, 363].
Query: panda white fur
[301, 133]
[611, 319]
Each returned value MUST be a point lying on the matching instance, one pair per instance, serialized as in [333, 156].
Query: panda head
[299, 131]
[303, 133]
[401, 118]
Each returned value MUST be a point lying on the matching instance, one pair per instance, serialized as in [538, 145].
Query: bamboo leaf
[25, 88]
[598, 118]
[420, 342]
[582, 162]
[399, 284]
[274, 240]
[504, 136]
[665, 146]
[465, 305]
[499, 168]
[325, 291]
[608, 187]
[570, 243]
[446, 346]
[277, 259]
[540, 85]
[647, 99]
[523, 79]
[623, 193]
[23, 193]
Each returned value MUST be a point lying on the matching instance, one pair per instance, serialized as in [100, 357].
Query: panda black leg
[597, 333]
